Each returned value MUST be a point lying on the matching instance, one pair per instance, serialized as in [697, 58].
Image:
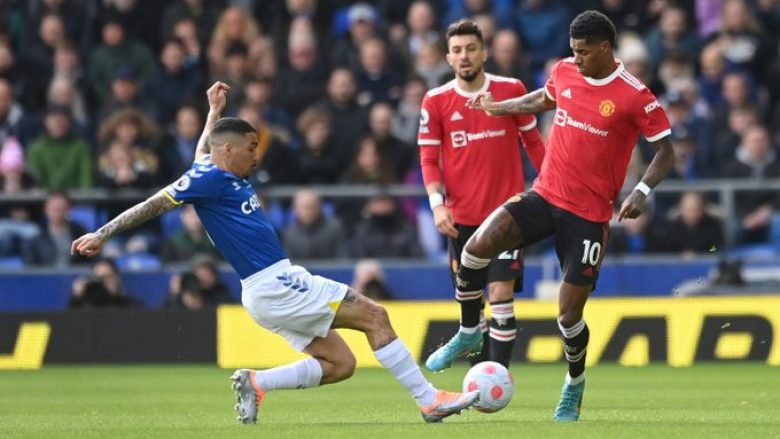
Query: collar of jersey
[604, 81]
[467, 94]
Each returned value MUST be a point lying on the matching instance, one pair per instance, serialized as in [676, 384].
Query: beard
[468, 77]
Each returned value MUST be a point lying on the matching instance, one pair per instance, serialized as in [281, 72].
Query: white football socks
[299, 375]
[396, 358]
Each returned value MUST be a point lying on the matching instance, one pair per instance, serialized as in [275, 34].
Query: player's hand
[87, 245]
[442, 217]
[217, 96]
[633, 206]
[483, 101]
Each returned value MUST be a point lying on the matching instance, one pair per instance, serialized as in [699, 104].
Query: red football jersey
[596, 125]
[475, 156]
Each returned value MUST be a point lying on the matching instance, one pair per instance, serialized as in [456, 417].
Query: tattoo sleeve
[661, 164]
[155, 205]
[534, 102]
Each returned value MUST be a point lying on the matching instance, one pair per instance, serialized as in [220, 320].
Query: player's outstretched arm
[91, 243]
[531, 103]
[217, 97]
[662, 163]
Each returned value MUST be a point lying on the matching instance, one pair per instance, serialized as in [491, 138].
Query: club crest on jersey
[607, 108]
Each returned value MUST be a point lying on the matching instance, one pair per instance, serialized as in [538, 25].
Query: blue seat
[138, 261]
[171, 222]
[11, 262]
[85, 216]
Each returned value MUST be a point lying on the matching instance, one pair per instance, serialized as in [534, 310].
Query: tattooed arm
[91, 243]
[534, 102]
[217, 96]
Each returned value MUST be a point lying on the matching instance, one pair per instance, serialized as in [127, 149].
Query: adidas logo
[566, 93]
[456, 116]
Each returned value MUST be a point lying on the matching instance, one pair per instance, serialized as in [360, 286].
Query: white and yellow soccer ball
[495, 384]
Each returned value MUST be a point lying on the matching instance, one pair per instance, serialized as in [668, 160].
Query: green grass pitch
[705, 401]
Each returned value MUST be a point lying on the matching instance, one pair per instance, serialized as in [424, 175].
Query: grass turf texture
[732, 400]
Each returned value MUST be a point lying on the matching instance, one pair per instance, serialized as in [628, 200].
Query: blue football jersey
[232, 215]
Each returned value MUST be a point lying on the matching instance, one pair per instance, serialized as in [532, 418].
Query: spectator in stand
[117, 53]
[507, 57]
[123, 167]
[190, 240]
[235, 72]
[52, 247]
[368, 168]
[198, 288]
[62, 93]
[421, 25]
[312, 234]
[695, 159]
[395, 153]
[201, 13]
[13, 175]
[259, 93]
[369, 279]
[406, 120]
[185, 30]
[756, 159]
[318, 161]
[541, 25]
[40, 53]
[362, 18]
[60, 159]
[177, 150]
[13, 121]
[377, 80]
[278, 162]
[302, 80]
[503, 11]
[744, 43]
[126, 93]
[736, 93]
[726, 139]
[686, 156]
[383, 233]
[236, 26]
[278, 18]
[174, 82]
[133, 129]
[430, 64]
[103, 289]
[347, 118]
[693, 230]
[633, 236]
[671, 35]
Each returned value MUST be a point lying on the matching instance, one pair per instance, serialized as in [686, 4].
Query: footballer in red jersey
[600, 111]
[471, 164]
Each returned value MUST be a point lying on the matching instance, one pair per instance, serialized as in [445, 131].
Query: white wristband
[436, 199]
[642, 187]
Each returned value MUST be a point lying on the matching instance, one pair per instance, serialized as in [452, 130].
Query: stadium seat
[11, 263]
[138, 261]
[85, 216]
[171, 223]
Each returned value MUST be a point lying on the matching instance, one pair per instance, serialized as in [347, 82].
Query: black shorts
[508, 265]
[579, 243]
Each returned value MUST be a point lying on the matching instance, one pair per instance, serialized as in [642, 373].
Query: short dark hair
[593, 26]
[232, 125]
[464, 27]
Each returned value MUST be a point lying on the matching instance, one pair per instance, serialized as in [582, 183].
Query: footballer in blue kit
[284, 298]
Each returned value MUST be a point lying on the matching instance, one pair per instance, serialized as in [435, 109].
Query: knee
[569, 317]
[477, 246]
[380, 318]
[501, 292]
[344, 367]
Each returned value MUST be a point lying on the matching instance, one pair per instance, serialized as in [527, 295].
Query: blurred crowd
[110, 94]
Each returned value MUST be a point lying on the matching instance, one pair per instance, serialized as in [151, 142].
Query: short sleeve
[429, 133]
[651, 117]
[549, 86]
[524, 122]
[198, 185]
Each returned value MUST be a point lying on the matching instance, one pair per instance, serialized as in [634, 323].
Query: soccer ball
[495, 385]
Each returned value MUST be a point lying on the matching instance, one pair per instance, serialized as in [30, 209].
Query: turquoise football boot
[460, 344]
